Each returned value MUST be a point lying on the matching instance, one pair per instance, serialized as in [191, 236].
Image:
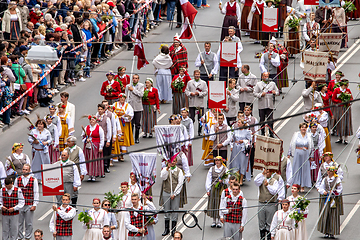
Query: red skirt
[314, 172]
[54, 154]
[188, 154]
[95, 168]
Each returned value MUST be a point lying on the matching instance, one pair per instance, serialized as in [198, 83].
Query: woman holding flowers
[122, 78]
[111, 216]
[151, 106]
[99, 218]
[282, 226]
[216, 181]
[292, 32]
[178, 86]
[93, 138]
[344, 126]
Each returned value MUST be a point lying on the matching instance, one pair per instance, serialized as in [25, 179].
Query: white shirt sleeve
[2, 174]
[276, 61]
[208, 180]
[212, 133]
[216, 65]
[164, 174]
[198, 61]
[259, 179]
[128, 224]
[77, 181]
[185, 165]
[56, 137]
[306, 36]
[262, 64]
[67, 216]
[109, 130]
[273, 189]
[106, 219]
[223, 210]
[36, 192]
[238, 12]
[180, 183]
[228, 139]
[21, 200]
[82, 166]
[70, 125]
[289, 173]
[274, 223]
[52, 223]
[280, 190]
[113, 125]
[244, 212]
[102, 138]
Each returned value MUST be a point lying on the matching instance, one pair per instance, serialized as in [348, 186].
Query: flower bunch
[294, 22]
[178, 84]
[84, 217]
[228, 173]
[349, 7]
[109, 88]
[114, 198]
[298, 213]
[345, 97]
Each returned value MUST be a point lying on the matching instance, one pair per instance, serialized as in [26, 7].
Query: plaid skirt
[344, 126]
[148, 119]
[95, 168]
[329, 222]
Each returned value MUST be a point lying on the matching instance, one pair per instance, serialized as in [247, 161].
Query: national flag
[139, 51]
[189, 13]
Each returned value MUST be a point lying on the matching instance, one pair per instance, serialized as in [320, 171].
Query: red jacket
[115, 92]
[153, 98]
[337, 91]
[326, 101]
[124, 80]
[34, 18]
[185, 79]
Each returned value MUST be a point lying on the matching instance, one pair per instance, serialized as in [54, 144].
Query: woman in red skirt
[244, 16]
[232, 17]
[256, 24]
[93, 139]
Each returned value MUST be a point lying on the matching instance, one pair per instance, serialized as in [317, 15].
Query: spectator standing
[11, 22]
[24, 13]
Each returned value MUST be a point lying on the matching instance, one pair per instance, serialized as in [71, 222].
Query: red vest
[10, 201]
[231, 10]
[260, 7]
[27, 191]
[95, 135]
[248, 3]
[137, 222]
[63, 228]
[236, 210]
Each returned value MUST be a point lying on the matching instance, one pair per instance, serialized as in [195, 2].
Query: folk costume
[232, 13]
[70, 111]
[14, 164]
[229, 72]
[99, 220]
[54, 153]
[179, 57]
[125, 112]
[67, 129]
[245, 84]
[323, 119]
[121, 233]
[246, 9]
[208, 120]
[110, 90]
[30, 190]
[162, 64]
[105, 123]
[257, 9]
[211, 63]
[40, 151]
[232, 99]
[292, 35]
[311, 29]
[224, 138]
[134, 98]
[270, 66]
[116, 145]
[61, 222]
[239, 159]
[310, 98]
[322, 174]
[286, 172]
[151, 105]
[11, 198]
[282, 226]
[179, 98]
[189, 126]
[282, 79]
[300, 231]
[251, 120]
[123, 81]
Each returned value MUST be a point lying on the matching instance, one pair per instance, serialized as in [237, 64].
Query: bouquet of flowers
[228, 173]
[114, 198]
[299, 212]
[109, 88]
[106, 18]
[349, 7]
[146, 98]
[345, 97]
[84, 217]
[294, 22]
[178, 84]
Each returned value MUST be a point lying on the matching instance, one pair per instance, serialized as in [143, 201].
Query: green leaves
[294, 22]
[349, 7]
[114, 198]
[84, 217]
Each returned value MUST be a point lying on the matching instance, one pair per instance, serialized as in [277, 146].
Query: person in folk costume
[232, 12]
[330, 190]
[107, 230]
[208, 120]
[292, 35]
[250, 120]
[15, 162]
[61, 222]
[257, 9]
[189, 125]
[208, 63]
[233, 213]
[282, 79]
[69, 107]
[282, 226]
[333, 84]
[55, 118]
[300, 231]
[150, 222]
[111, 216]
[245, 84]
[344, 124]
[220, 135]
[233, 98]
[40, 139]
[133, 184]
[173, 179]
[327, 162]
[184, 136]
[93, 138]
[110, 89]
[339, 24]
[227, 191]
[122, 78]
[216, 182]
[196, 90]
[53, 148]
[302, 150]
[319, 144]
[271, 191]
[11, 201]
[323, 119]
[162, 64]
[115, 126]
[246, 9]
[311, 96]
[76, 155]
[240, 142]
[269, 62]
[286, 172]
[134, 93]
[121, 232]
[99, 220]
[125, 112]
[311, 29]
[267, 35]
[30, 189]
[178, 54]
[135, 222]
[179, 98]
[67, 127]
[265, 91]
[151, 105]
[116, 144]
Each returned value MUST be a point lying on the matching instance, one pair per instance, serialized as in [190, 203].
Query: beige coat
[134, 97]
[192, 86]
[7, 20]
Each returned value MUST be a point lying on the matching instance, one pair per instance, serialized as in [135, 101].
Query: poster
[144, 167]
[228, 54]
[217, 94]
[315, 64]
[270, 21]
[168, 135]
[329, 3]
[52, 180]
[333, 42]
[268, 152]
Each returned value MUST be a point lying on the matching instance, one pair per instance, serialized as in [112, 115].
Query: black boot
[74, 202]
[262, 234]
[173, 227]
[268, 236]
[137, 136]
[167, 228]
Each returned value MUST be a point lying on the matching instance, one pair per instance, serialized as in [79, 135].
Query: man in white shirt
[207, 62]
[222, 138]
[70, 108]
[233, 213]
[269, 62]
[30, 189]
[11, 201]
[245, 85]
[105, 123]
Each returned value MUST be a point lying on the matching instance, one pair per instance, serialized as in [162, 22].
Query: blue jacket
[88, 36]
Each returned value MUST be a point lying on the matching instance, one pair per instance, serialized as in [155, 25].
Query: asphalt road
[86, 96]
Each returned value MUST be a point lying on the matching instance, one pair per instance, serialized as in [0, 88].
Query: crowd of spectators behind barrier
[63, 25]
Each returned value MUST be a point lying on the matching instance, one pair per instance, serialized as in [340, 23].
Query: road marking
[287, 120]
[161, 117]
[348, 218]
[46, 214]
[347, 58]
[287, 112]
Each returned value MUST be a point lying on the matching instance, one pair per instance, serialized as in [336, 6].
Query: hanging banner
[270, 20]
[144, 167]
[228, 54]
[333, 41]
[217, 94]
[168, 134]
[311, 2]
[52, 180]
[329, 3]
[268, 152]
[315, 64]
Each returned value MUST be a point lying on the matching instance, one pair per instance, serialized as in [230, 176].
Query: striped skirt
[115, 150]
[54, 154]
[283, 80]
[148, 119]
[327, 141]
[208, 154]
[256, 27]
[178, 102]
[293, 45]
[214, 200]
[244, 15]
[95, 168]
[329, 222]
[344, 126]
[188, 155]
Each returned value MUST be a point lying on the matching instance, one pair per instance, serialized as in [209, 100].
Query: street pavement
[86, 96]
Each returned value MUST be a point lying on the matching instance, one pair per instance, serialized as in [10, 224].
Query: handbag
[23, 87]
[101, 26]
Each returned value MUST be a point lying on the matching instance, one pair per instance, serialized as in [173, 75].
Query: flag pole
[132, 67]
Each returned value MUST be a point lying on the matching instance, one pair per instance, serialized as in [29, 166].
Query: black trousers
[243, 104]
[222, 153]
[192, 111]
[106, 153]
[95, 51]
[224, 73]
[135, 122]
[205, 77]
[266, 113]
[252, 155]
[179, 10]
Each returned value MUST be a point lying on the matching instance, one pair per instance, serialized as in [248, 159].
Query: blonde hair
[42, 30]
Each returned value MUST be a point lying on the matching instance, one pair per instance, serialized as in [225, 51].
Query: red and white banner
[139, 51]
[52, 180]
[144, 167]
[189, 13]
[228, 54]
[270, 20]
[311, 2]
[315, 65]
[217, 94]
[333, 42]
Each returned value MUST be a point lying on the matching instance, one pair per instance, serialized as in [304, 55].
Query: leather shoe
[137, 141]
[339, 141]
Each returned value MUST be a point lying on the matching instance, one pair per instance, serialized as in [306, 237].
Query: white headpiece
[177, 38]
[273, 40]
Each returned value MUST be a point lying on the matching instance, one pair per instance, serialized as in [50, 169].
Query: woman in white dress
[99, 219]
[300, 231]
[122, 232]
[282, 226]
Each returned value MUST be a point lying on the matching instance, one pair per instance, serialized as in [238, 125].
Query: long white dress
[100, 218]
[282, 226]
[300, 231]
[121, 233]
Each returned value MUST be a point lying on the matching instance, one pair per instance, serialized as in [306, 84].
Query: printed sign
[315, 64]
[270, 21]
[217, 94]
[228, 54]
[52, 180]
[267, 152]
[329, 3]
[333, 42]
